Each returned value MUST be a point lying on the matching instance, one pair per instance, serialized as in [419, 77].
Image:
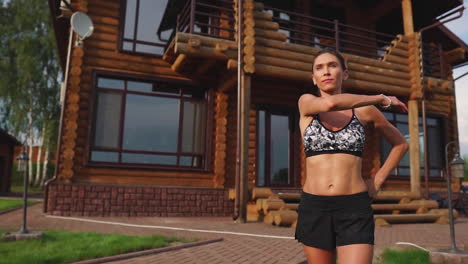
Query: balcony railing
[318, 32]
[215, 18]
[209, 18]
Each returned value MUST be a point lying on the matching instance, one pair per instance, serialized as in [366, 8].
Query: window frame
[292, 116]
[443, 130]
[208, 99]
[121, 38]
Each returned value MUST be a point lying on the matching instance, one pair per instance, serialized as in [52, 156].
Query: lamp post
[456, 165]
[22, 167]
[24, 233]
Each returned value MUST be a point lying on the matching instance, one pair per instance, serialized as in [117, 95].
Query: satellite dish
[82, 26]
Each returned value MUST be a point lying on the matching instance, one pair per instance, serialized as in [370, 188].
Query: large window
[151, 123]
[142, 20]
[274, 149]
[435, 145]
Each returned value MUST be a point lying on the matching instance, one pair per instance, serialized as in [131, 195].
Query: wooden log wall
[220, 130]
[100, 52]
[231, 137]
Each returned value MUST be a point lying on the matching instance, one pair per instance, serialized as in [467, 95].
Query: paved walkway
[243, 243]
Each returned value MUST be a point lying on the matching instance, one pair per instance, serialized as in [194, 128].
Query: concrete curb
[18, 208]
[10, 210]
[147, 252]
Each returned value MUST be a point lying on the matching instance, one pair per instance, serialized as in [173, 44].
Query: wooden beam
[179, 63]
[395, 59]
[204, 52]
[266, 25]
[378, 71]
[407, 16]
[397, 51]
[415, 166]
[206, 41]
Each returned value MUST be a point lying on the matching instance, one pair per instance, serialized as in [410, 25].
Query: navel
[330, 186]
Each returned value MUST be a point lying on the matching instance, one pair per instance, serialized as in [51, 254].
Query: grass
[65, 247]
[7, 204]
[410, 256]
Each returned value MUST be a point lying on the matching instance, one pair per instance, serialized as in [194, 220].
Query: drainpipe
[240, 69]
[62, 112]
[423, 101]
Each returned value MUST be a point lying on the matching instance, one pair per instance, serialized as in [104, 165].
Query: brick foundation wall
[108, 200]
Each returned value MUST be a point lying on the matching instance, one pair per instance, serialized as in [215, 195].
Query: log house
[149, 117]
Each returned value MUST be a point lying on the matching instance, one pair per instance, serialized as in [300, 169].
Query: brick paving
[234, 248]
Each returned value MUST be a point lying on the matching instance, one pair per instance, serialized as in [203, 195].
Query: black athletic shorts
[329, 221]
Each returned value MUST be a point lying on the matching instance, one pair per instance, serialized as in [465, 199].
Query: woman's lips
[327, 80]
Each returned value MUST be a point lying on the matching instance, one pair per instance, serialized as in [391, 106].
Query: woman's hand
[394, 103]
[372, 188]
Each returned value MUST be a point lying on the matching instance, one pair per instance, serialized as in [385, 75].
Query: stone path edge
[148, 252]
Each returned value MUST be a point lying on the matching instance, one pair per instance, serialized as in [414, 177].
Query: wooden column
[407, 16]
[415, 166]
[413, 121]
[244, 142]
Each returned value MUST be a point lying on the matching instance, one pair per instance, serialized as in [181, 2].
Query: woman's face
[328, 74]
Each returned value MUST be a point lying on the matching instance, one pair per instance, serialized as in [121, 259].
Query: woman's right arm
[310, 104]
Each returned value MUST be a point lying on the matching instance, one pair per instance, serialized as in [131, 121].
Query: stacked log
[197, 46]
[406, 207]
[220, 130]
[397, 51]
[272, 207]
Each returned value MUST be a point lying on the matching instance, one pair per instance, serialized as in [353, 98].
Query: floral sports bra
[320, 140]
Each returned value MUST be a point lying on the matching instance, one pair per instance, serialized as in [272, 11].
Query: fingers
[399, 104]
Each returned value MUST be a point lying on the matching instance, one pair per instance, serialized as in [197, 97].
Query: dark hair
[333, 52]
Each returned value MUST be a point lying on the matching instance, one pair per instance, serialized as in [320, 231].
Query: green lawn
[7, 204]
[66, 247]
[411, 256]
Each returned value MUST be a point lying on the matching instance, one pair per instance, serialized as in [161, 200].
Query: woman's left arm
[395, 138]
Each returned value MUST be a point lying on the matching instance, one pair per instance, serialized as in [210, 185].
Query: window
[150, 123]
[274, 149]
[142, 20]
[434, 143]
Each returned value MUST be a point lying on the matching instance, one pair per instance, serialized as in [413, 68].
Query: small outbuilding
[7, 147]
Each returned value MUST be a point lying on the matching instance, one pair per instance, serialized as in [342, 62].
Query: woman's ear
[313, 79]
[345, 75]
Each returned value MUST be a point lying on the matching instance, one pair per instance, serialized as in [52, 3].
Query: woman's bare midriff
[334, 174]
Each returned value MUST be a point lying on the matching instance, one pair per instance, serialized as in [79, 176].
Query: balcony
[285, 43]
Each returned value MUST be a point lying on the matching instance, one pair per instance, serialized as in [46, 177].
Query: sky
[460, 28]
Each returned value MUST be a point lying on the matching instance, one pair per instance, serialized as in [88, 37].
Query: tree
[29, 85]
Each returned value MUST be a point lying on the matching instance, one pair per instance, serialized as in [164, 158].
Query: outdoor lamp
[22, 161]
[23, 167]
[457, 166]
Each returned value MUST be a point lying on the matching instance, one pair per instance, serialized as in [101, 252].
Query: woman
[335, 210]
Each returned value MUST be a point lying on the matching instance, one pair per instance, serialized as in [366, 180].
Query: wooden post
[244, 143]
[415, 166]
[407, 16]
[413, 121]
